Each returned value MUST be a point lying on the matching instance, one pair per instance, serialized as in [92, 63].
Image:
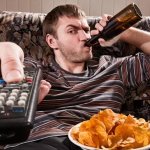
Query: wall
[91, 7]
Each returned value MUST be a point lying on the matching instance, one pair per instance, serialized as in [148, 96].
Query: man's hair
[51, 19]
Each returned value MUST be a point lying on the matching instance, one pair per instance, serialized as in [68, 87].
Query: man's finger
[12, 70]
[11, 62]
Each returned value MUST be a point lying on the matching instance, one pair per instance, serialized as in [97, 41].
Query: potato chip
[113, 131]
[86, 138]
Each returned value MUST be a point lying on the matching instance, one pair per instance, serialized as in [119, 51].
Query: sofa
[25, 29]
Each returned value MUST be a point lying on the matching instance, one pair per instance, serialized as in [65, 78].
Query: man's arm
[134, 36]
[137, 37]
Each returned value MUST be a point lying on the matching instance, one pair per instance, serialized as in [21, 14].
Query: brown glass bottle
[118, 23]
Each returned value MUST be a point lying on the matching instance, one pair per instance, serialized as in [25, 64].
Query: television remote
[18, 103]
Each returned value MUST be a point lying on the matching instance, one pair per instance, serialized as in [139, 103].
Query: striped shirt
[75, 97]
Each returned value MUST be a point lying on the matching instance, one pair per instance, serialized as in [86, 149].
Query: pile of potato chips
[114, 131]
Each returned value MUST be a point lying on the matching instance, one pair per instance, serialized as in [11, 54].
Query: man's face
[72, 34]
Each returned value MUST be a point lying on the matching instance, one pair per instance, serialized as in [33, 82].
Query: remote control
[18, 103]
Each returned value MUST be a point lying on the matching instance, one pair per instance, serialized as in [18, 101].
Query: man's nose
[83, 35]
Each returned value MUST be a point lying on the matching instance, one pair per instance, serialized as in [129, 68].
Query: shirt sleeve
[135, 70]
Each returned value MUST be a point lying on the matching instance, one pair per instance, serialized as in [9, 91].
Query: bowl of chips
[108, 130]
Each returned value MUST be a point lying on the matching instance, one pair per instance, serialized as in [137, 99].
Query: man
[81, 85]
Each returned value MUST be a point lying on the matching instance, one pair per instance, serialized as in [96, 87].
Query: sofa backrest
[25, 29]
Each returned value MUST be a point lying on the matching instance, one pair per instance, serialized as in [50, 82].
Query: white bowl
[92, 148]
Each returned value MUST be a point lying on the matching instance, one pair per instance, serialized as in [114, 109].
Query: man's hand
[11, 56]
[99, 28]
[44, 89]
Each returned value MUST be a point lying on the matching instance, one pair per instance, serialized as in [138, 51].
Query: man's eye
[87, 31]
[72, 31]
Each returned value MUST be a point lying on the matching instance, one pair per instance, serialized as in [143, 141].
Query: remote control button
[14, 94]
[3, 94]
[2, 99]
[21, 103]
[1, 103]
[10, 103]
[24, 98]
[25, 85]
[15, 91]
[29, 79]
[1, 86]
[24, 94]
[18, 109]
[2, 82]
[13, 98]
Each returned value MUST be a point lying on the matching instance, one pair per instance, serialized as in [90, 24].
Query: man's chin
[83, 60]
[88, 58]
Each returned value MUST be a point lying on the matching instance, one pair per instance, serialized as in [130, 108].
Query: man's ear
[51, 41]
